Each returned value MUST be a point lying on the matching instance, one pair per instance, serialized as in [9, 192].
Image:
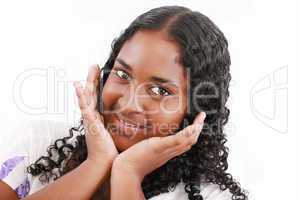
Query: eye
[157, 90]
[121, 74]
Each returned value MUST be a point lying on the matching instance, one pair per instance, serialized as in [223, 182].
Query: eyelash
[116, 73]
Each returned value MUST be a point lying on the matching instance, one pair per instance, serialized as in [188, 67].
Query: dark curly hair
[204, 52]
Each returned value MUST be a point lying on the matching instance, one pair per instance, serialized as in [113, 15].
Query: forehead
[150, 53]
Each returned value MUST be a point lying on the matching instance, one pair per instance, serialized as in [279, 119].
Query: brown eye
[160, 91]
[121, 74]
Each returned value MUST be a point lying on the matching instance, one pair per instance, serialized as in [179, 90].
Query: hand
[147, 155]
[100, 145]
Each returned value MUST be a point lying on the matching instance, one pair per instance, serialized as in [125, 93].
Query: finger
[87, 111]
[192, 133]
[178, 152]
[167, 155]
[86, 101]
[185, 137]
[178, 142]
[80, 95]
[90, 94]
[92, 125]
[90, 115]
[169, 144]
[195, 128]
[91, 86]
[184, 146]
[93, 75]
[200, 117]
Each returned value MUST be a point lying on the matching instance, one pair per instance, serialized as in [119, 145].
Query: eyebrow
[152, 78]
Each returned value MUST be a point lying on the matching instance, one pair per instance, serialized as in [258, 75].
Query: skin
[139, 159]
[137, 97]
[140, 99]
[131, 155]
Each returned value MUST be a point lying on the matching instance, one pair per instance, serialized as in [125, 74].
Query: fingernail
[203, 115]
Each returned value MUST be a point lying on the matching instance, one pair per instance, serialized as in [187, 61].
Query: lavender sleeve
[14, 158]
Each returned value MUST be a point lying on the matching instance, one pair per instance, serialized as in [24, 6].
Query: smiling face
[145, 93]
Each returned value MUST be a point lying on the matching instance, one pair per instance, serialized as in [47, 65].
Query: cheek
[166, 124]
[173, 105]
[169, 116]
[165, 115]
[110, 94]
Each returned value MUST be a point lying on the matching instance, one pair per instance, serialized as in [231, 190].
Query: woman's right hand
[100, 145]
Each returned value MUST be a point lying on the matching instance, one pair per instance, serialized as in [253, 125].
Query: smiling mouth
[129, 124]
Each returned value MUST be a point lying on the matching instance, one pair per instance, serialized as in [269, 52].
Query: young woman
[152, 121]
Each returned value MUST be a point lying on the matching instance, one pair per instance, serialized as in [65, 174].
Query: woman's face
[145, 93]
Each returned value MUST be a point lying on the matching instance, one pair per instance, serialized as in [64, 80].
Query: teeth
[127, 124]
[133, 125]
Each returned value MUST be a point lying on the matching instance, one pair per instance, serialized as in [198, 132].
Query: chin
[124, 142]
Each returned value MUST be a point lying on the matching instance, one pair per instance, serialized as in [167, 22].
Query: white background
[45, 45]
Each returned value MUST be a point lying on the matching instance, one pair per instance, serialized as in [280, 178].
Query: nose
[133, 102]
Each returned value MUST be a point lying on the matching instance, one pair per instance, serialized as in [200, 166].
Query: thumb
[199, 119]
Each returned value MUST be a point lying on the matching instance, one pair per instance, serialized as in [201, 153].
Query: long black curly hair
[204, 51]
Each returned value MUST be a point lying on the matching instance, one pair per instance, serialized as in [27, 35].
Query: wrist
[125, 183]
[107, 163]
[121, 169]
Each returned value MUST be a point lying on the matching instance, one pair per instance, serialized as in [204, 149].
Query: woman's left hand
[149, 154]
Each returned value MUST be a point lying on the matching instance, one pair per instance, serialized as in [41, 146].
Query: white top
[30, 139]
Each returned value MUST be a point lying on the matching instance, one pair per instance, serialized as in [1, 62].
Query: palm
[149, 154]
[99, 142]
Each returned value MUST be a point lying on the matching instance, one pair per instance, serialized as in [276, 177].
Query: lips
[131, 124]
[129, 128]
